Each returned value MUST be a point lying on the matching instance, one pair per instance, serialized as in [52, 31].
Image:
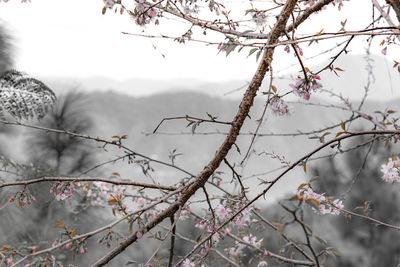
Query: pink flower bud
[68, 246]
[83, 251]
[11, 200]
[9, 261]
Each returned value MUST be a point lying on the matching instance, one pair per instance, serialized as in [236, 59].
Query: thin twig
[87, 179]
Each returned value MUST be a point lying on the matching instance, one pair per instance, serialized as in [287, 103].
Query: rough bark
[237, 123]
[395, 4]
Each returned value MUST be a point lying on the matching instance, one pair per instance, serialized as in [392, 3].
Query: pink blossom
[216, 237]
[68, 246]
[287, 49]
[304, 87]
[188, 263]
[139, 235]
[83, 251]
[279, 107]
[185, 213]
[391, 171]
[109, 3]
[324, 206]
[252, 240]
[262, 263]
[222, 212]
[258, 17]
[384, 51]
[9, 261]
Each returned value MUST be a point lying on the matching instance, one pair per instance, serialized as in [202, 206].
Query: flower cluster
[215, 7]
[279, 107]
[109, 3]
[222, 212]
[304, 87]
[188, 263]
[62, 191]
[79, 248]
[391, 170]
[144, 13]
[258, 17]
[23, 197]
[190, 10]
[325, 206]
[237, 250]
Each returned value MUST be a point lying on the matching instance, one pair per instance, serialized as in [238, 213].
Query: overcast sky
[71, 38]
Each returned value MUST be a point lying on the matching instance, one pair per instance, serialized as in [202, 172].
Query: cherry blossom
[109, 3]
[252, 240]
[279, 107]
[325, 206]
[188, 263]
[304, 87]
[391, 171]
[222, 212]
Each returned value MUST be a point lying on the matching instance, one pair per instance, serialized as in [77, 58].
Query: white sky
[71, 38]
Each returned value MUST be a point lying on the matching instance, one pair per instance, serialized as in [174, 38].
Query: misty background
[104, 107]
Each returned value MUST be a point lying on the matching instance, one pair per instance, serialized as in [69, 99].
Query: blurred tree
[5, 63]
[371, 245]
[64, 154]
[52, 154]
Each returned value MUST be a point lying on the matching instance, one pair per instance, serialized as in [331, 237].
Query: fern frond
[24, 97]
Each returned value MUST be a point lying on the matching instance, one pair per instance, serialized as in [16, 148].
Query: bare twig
[87, 179]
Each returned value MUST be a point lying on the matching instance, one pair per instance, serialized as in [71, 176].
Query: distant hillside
[118, 114]
[350, 83]
[122, 113]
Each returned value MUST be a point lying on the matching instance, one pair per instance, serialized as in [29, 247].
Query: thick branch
[395, 4]
[237, 123]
